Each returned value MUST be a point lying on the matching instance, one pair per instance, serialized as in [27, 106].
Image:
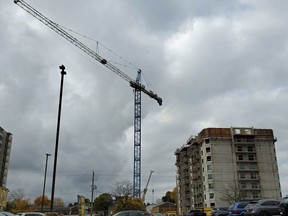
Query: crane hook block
[104, 61]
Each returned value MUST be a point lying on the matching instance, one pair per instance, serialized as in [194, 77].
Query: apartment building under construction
[5, 149]
[221, 164]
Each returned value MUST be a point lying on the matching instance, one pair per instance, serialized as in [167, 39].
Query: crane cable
[130, 65]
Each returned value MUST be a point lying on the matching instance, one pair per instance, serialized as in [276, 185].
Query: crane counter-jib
[55, 27]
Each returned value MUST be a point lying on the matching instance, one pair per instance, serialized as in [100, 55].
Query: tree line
[119, 199]
[18, 203]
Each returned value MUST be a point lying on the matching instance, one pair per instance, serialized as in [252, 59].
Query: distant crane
[146, 187]
[135, 84]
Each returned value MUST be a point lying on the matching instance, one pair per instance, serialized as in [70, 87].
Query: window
[211, 195]
[208, 158]
[255, 194]
[253, 175]
[252, 166]
[251, 157]
[237, 131]
[243, 204]
[242, 175]
[243, 185]
[250, 140]
[250, 148]
[239, 148]
[208, 149]
[210, 186]
[210, 176]
[207, 141]
[209, 167]
[240, 157]
[254, 185]
[241, 166]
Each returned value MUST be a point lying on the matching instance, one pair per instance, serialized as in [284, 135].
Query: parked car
[283, 206]
[237, 208]
[221, 211]
[30, 214]
[132, 213]
[4, 213]
[265, 207]
[195, 213]
[156, 214]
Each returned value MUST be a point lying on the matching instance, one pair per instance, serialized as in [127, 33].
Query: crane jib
[56, 28]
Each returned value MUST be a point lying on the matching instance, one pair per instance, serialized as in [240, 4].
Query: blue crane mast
[135, 84]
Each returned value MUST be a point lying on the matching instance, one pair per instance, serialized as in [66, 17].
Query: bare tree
[231, 193]
[17, 194]
[17, 202]
[122, 189]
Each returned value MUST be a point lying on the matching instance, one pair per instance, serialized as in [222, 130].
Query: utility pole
[42, 203]
[63, 72]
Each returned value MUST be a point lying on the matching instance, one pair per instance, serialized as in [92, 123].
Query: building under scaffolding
[219, 163]
[5, 149]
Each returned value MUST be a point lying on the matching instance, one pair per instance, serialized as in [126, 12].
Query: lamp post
[47, 155]
[63, 72]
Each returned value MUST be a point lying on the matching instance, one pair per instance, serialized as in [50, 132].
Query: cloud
[214, 64]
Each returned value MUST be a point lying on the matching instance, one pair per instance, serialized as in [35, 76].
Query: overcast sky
[215, 64]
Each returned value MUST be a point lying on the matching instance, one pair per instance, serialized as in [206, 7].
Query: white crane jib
[146, 187]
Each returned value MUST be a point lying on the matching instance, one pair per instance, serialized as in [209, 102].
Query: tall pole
[63, 72]
[47, 155]
[92, 193]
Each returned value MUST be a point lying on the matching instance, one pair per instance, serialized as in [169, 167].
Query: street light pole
[47, 155]
[63, 72]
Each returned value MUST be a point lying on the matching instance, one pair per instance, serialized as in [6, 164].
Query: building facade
[220, 165]
[5, 150]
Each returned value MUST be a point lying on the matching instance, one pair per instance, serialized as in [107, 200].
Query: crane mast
[135, 84]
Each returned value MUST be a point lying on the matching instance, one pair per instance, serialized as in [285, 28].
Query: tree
[38, 200]
[17, 194]
[22, 205]
[168, 197]
[122, 189]
[59, 202]
[17, 202]
[174, 195]
[129, 204]
[102, 202]
[231, 193]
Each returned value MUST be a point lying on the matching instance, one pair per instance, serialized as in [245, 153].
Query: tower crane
[135, 84]
[146, 187]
